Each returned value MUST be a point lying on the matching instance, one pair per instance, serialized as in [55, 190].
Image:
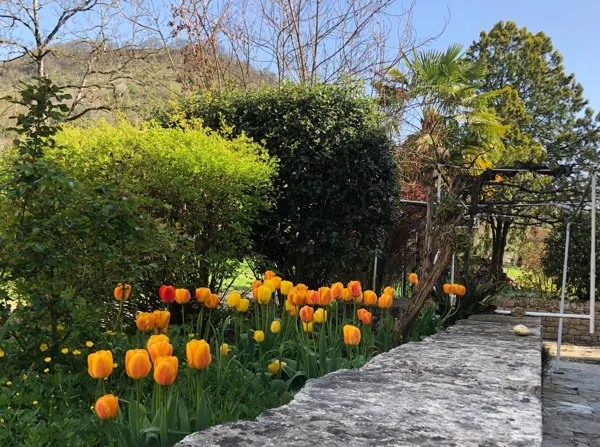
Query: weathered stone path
[477, 384]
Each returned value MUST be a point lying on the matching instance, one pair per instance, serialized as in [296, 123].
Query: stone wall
[477, 384]
[575, 331]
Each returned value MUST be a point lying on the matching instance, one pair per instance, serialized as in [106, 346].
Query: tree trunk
[500, 229]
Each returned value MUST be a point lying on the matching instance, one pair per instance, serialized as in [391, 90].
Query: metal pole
[452, 297]
[562, 300]
[439, 187]
[375, 273]
[593, 258]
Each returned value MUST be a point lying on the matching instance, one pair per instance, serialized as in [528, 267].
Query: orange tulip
[370, 298]
[312, 298]
[389, 291]
[336, 290]
[454, 289]
[277, 281]
[161, 319]
[145, 321]
[255, 293]
[256, 283]
[166, 293]
[202, 294]
[286, 287]
[306, 314]
[264, 294]
[118, 293]
[100, 364]
[182, 296]
[351, 335]
[346, 295]
[269, 274]
[448, 288]
[156, 339]
[364, 316]
[325, 296]
[413, 278]
[290, 308]
[385, 301]
[137, 363]
[243, 305]
[198, 354]
[165, 370]
[301, 291]
[354, 288]
[297, 299]
[107, 406]
[160, 349]
[213, 301]
[359, 298]
[461, 290]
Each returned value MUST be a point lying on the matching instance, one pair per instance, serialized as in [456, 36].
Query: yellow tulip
[264, 294]
[224, 349]
[286, 287]
[165, 370]
[233, 300]
[107, 406]
[275, 326]
[259, 336]
[100, 364]
[320, 316]
[276, 366]
[137, 363]
[270, 283]
[243, 305]
[308, 327]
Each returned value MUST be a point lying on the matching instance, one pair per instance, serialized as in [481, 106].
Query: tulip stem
[183, 319]
[207, 324]
[199, 324]
[107, 429]
[164, 430]
[350, 355]
[137, 410]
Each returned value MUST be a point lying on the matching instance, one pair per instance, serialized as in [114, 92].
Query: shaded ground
[571, 401]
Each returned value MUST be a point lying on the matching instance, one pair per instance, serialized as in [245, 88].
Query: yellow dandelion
[112, 333]
[60, 327]
[76, 352]
[65, 350]
[115, 365]
[18, 394]
[191, 335]
[48, 359]
[9, 383]
[89, 344]
[35, 402]
[43, 347]
[1, 421]
[24, 376]
[1, 353]
[47, 370]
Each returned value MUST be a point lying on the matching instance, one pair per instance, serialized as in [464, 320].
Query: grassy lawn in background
[513, 272]
[244, 279]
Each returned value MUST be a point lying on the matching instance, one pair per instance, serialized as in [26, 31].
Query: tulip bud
[389, 291]
[118, 292]
[160, 349]
[166, 293]
[259, 336]
[364, 316]
[325, 296]
[145, 321]
[385, 301]
[320, 316]
[351, 335]
[156, 339]
[370, 298]
[224, 349]
[256, 283]
[137, 363]
[337, 290]
[165, 370]
[182, 296]
[233, 300]
[100, 364]
[301, 291]
[269, 274]
[286, 287]
[243, 305]
[307, 314]
[202, 294]
[264, 294]
[198, 354]
[354, 288]
[277, 282]
[107, 406]
[275, 326]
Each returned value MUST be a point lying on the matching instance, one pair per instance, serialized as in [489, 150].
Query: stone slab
[476, 384]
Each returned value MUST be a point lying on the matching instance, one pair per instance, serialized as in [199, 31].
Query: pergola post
[562, 300]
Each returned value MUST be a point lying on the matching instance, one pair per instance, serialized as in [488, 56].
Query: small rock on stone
[521, 329]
